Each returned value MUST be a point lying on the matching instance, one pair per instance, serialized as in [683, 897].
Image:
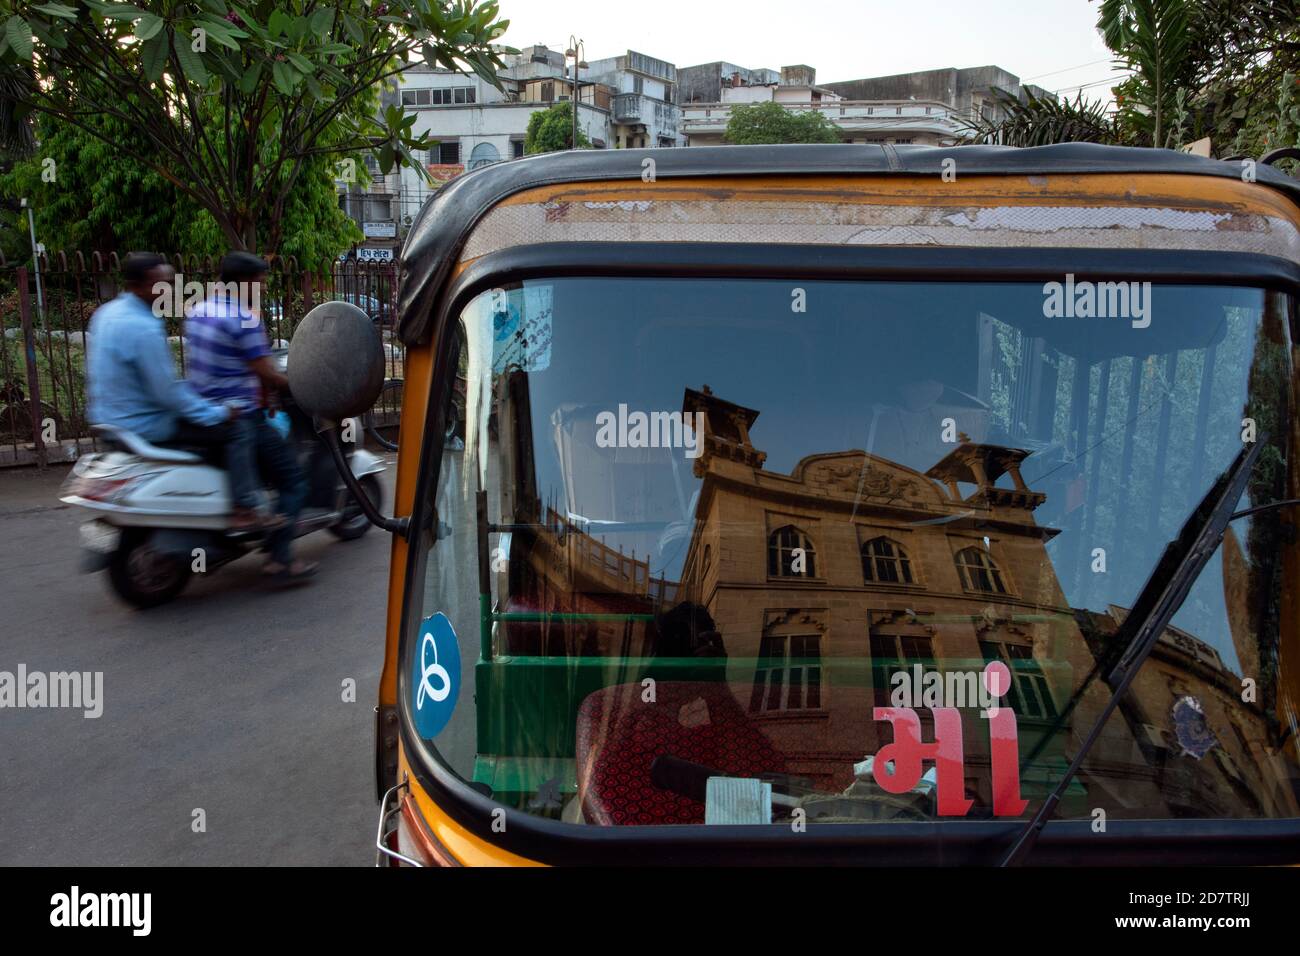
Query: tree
[88, 195]
[234, 104]
[773, 123]
[1223, 69]
[1152, 39]
[552, 129]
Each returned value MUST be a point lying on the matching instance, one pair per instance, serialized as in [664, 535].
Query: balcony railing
[844, 113]
[628, 107]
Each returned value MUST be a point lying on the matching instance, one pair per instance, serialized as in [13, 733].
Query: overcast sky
[1052, 43]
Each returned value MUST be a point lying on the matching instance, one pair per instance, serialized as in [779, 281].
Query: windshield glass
[749, 551]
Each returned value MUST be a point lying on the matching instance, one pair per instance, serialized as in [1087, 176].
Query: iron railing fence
[45, 316]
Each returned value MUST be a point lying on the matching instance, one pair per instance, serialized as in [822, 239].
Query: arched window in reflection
[885, 562]
[790, 554]
[978, 572]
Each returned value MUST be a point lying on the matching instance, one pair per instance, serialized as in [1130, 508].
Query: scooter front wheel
[143, 576]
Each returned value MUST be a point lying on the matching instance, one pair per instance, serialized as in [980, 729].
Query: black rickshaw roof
[444, 223]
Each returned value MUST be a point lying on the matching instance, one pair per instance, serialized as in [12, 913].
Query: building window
[885, 562]
[788, 675]
[787, 546]
[516, 148]
[449, 95]
[484, 154]
[1029, 694]
[978, 572]
[417, 97]
[891, 653]
[638, 85]
[447, 153]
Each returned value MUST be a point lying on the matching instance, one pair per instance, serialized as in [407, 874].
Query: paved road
[229, 700]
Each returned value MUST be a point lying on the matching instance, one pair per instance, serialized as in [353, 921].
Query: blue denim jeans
[278, 462]
[241, 460]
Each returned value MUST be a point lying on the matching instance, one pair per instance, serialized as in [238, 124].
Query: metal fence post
[29, 353]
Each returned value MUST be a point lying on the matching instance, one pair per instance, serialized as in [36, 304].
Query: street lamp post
[575, 50]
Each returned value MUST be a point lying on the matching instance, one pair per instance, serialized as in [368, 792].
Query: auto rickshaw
[840, 504]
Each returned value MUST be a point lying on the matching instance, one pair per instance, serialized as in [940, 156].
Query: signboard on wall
[370, 255]
[443, 173]
[379, 230]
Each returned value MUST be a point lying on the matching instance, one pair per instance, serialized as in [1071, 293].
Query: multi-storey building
[645, 111]
[623, 101]
[930, 108]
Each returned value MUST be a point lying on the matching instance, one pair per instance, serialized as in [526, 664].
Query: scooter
[163, 514]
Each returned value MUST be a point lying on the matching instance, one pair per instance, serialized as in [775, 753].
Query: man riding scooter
[132, 384]
[230, 362]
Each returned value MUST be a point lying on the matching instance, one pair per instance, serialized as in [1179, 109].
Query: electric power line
[1066, 70]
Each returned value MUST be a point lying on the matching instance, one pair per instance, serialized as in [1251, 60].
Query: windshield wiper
[1166, 589]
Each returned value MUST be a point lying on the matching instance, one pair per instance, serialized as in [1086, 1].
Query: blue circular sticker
[435, 675]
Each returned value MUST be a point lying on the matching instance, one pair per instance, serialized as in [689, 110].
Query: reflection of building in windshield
[811, 590]
[852, 568]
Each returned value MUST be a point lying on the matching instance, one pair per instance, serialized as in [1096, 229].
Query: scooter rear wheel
[143, 576]
[354, 523]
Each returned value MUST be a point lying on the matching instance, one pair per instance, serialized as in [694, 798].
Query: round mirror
[336, 362]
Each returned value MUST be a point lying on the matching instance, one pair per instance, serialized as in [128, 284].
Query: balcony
[628, 108]
[894, 117]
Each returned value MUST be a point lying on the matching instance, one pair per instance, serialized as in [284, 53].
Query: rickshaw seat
[619, 736]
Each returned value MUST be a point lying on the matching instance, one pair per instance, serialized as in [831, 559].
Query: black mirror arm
[329, 432]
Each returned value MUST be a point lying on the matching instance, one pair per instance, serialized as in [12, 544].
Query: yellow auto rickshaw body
[915, 214]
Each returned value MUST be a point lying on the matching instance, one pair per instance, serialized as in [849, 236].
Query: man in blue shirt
[132, 384]
[131, 380]
[230, 362]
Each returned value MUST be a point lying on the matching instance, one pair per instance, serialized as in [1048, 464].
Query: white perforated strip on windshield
[828, 223]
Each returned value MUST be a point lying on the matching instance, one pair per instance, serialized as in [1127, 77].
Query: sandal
[290, 575]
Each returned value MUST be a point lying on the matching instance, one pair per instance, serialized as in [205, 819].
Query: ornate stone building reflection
[901, 568]
[824, 582]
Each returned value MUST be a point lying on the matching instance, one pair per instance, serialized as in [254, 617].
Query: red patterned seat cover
[619, 735]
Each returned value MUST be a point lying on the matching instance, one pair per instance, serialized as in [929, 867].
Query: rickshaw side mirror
[336, 371]
[336, 362]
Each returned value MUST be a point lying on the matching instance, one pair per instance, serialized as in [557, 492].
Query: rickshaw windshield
[751, 551]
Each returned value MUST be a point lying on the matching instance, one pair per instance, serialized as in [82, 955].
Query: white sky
[841, 39]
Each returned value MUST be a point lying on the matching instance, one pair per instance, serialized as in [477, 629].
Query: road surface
[228, 701]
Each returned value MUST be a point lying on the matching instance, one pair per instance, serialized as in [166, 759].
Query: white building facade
[624, 101]
[717, 88]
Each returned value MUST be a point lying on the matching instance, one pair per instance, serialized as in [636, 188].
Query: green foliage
[1038, 122]
[773, 123]
[1223, 69]
[234, 103]
[88, 195]
[552, 129]
[1152, 39]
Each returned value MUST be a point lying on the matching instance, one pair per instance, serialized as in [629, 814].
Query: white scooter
[163, 514]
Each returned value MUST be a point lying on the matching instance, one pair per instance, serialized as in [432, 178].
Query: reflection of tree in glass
[1268, 403]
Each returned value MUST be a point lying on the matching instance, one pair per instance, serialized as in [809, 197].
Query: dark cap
[240, 266]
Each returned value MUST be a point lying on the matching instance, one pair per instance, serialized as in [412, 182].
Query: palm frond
[1037, 121]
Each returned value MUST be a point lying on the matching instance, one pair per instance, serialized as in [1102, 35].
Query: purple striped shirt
[221, 339]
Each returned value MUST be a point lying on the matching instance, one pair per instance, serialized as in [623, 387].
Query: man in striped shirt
[230, 362]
